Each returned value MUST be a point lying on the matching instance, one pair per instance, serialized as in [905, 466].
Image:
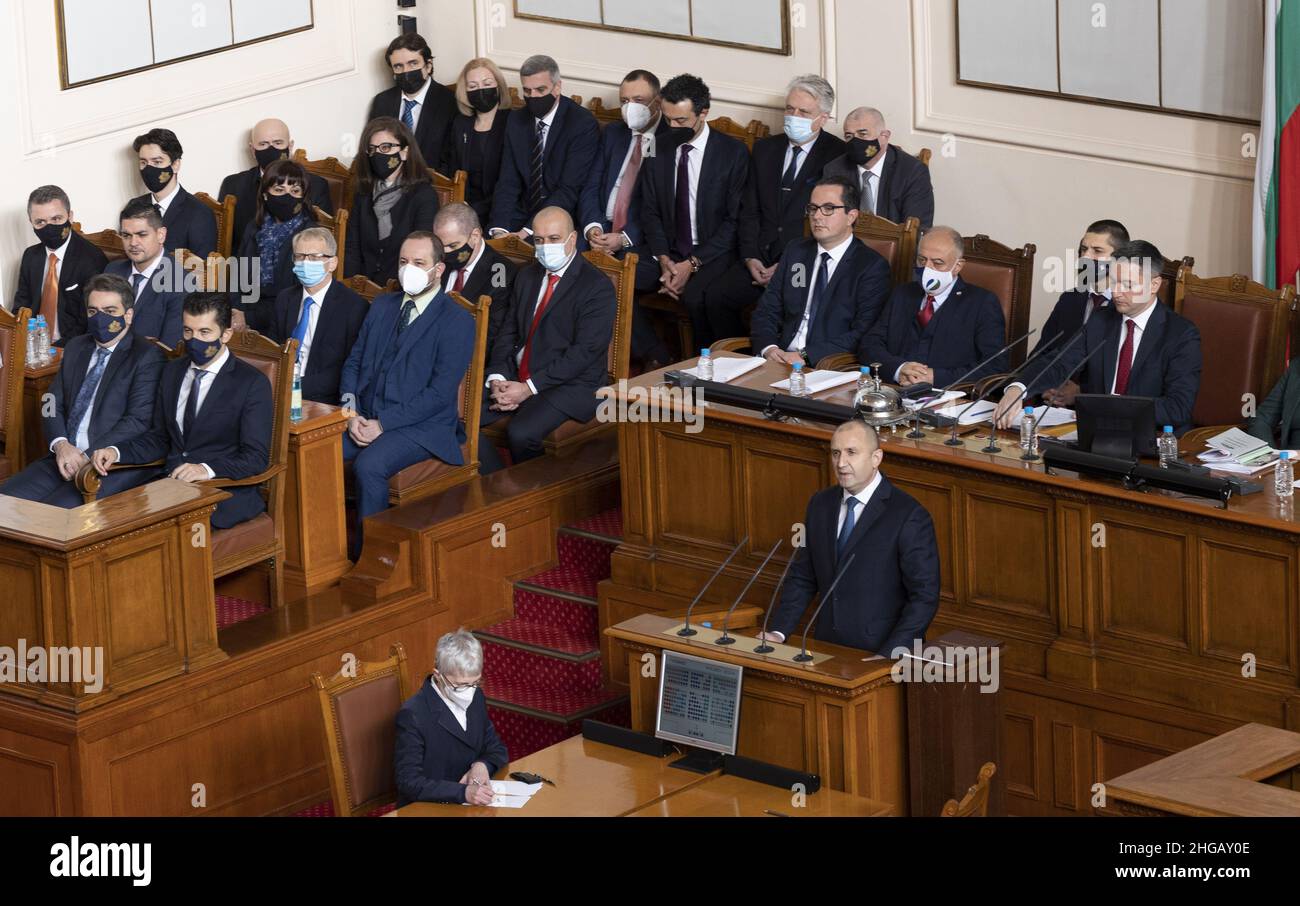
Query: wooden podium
[841, 717]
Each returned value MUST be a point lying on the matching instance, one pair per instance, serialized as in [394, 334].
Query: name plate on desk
[745, 645]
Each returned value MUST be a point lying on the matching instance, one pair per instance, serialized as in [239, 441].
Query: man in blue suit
[550, 149]
[212, 414]
[1147, 349]
[611, 202]
[446, 749]
[190, 224]
[157, 279]
[826, 291]
[402, 376]
[890, 592]
[103, 395]
[938, 327]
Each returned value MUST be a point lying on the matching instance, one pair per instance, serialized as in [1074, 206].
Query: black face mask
[384, 165]
[457, 258]
[681, 134]
[541, 106]
[267, 156]
[410, 82]
[483, 99]
[282, 207]
[157, 178]
[863, 151]
[53, 235]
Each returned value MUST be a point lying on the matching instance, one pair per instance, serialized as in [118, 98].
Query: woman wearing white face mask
[446, 748]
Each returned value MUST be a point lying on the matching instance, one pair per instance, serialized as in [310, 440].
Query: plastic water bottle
[798, 387]
[31, 343]
[295, 399]
[705, 366]
[1167, 446]
[1027, 429]
[864, 378]
[42, 341]
[1284, 476]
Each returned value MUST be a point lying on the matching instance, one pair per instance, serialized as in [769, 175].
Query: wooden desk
[734, 797]
[36, 381]
[315, 529]
[1224, 777]
[1126, 615]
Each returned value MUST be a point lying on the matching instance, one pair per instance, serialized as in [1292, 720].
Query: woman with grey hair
[446, 748]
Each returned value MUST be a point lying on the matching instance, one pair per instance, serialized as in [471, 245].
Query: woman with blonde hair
[478, 134]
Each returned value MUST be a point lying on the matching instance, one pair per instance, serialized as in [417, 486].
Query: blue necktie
[86, 395]
[136, 280]
[407, 119]
[300, 332]
[819, 287]
[847, 528]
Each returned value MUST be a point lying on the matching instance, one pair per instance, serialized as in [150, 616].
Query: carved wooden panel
[1009, 554]
[1248, 603]
[773, 481]
[1140, 602]
[695, 490]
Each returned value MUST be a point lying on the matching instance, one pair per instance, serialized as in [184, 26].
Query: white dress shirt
[877, 167]
[81, 432]
[418, 97]
[647, 140]
[165, 203]
[1139, 330]
[939, 299]
[461, 714]
[304, 348]
[147, 272]
[532, 312]
[58, 254]
[694, 163]
[212, 369]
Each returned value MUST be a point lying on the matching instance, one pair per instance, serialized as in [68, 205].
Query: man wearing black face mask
[417, 101]
[893, 184]
[53, 273]
[550, 149]
[212, 414]
[190, 225]
[103, 395]
[474, 268]
[269, 142]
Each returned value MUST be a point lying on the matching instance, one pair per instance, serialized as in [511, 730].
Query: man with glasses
[826, 291]
[446, 748]
[893, 184]
[269, 141]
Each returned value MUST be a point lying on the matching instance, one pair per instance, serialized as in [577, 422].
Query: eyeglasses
[385, 148]
[826, 209]
[462, 687]
[310, 256]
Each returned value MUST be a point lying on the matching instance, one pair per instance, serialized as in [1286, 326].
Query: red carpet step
[235, 610]
[326, 810]
[525, 734]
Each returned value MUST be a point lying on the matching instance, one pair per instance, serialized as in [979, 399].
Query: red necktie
[627, 186]
[926, 313]
[460, 281]
[1125, 366]
[1097, 300]
[551, 280]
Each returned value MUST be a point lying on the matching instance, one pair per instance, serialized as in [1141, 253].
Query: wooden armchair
[604, 115]
[338, 225]
[13, 359]
[107, 241]
[359, 720]
[1008, 273]
[514, 248]
[975, 804]
[451, 190]
[1169, 277]
[337, 176]
[366, 288]
[895, 242]
[748, 134]
[433, 475]
[224, 212]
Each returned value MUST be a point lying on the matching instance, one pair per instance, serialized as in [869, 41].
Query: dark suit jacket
[614, 142]
[853, 299]
[158, 307]
[891, 591]
[770, 218]
[124, 400]
[244, 185]
[904, 191]
[81, 261]
[190, 224]
[431, 752]
[410, 384]
[478, 194]
[231, 434]
[433, 129]
[1276, 418]
[1167, 366]
[364, 253]
[570, 153]
[570, 357]
[337, 326]
[717, 202]
[1066, 319]
[493, 275]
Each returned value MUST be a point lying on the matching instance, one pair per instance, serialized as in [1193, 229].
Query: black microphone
[763, 647]
[804, 656]
[726, 639]
[916, 433]
[952, 441]
[1029, 455]
[686, 629]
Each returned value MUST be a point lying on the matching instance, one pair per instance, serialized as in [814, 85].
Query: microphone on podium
[763, 647]
[686, 629]
[803, 656]
[725, 639]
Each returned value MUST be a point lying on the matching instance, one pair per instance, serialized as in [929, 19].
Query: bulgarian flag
[1277, 170]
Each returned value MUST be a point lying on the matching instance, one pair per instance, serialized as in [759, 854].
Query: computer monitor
[1121, 427]
[699, 705]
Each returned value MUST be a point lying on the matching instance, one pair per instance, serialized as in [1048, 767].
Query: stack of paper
[1238, 453]
[512, 793]
[931, 399]
[817, 381]
[983, 411]
[728, 369]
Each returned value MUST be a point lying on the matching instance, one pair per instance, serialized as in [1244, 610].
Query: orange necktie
[50, 296]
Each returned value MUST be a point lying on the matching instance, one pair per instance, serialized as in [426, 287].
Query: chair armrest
[731, 344]
[840, 361]
[88, 481]
[244, 482]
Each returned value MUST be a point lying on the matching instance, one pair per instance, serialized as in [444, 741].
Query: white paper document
[983, 411]
[933, 399]
[817, 381]
[1236, 443]
[512, 793]
[728, 369]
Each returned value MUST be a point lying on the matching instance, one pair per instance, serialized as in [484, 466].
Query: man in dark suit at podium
[890, 592]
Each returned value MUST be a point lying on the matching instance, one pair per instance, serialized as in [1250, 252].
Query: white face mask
[414, 280]
[637, 116]
[460, 697]
[935, 282]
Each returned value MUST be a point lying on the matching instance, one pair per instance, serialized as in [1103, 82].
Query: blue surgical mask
[202, 352]
[309, 273]
[105, 327]
[798, 129]
[551, 255]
